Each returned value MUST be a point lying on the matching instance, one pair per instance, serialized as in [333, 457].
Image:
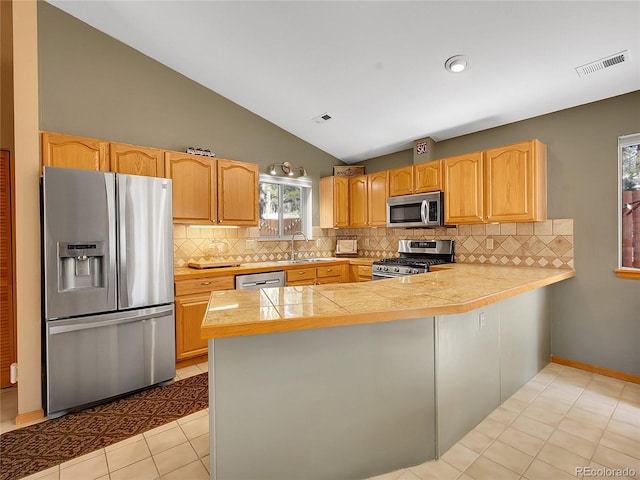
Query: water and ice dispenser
[80, 265]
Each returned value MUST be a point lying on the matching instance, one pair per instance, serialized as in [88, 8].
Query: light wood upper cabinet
[515, 179]
[420, 178]
[427, 177]
[237, 193]
[358, 201]
[334, 202]
[401, 181]
[136, 160]
[70, 151]
[463, 189]
[377, 193]
[194, 188]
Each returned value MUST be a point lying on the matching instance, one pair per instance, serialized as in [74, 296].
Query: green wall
[596, 316]
[94, 86]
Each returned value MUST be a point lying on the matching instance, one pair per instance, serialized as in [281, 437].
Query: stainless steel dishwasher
[254, 281]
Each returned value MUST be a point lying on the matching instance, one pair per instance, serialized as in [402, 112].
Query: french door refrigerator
[108, 313]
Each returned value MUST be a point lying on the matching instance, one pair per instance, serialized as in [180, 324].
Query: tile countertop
[184, 273]
[455, 288]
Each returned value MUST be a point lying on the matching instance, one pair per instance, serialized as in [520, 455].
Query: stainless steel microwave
[420, 210]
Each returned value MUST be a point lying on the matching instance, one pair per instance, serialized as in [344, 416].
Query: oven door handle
[385, 275]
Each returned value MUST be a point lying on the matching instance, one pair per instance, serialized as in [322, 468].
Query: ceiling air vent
[322, 118]
[603, 63]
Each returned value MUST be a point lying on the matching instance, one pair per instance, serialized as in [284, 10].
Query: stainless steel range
[415, 257]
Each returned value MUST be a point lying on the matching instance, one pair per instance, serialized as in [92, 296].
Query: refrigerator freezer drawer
[90, 359]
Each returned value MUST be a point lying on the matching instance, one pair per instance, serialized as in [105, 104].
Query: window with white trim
[629, 187]
[284, 207]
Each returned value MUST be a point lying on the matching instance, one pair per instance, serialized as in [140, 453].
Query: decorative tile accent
[541, 244]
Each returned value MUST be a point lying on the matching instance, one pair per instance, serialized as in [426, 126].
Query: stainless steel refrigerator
[108, 313]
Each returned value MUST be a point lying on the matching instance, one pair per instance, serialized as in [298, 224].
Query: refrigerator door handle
[121, 318]
[123, 288]
[110, 188]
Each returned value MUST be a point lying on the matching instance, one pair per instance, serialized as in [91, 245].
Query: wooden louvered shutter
[7, 322]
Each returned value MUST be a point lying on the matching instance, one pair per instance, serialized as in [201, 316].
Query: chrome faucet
[293, 250]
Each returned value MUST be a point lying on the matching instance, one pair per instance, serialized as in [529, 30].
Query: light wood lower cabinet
[360, 273]
[301, 276]
[317, 275]
[192, 297]
[331, 274]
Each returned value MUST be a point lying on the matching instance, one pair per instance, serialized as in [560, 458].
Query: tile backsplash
[542, 244]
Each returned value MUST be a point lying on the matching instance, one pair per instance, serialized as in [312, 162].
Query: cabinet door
[377, 192]
[334, 202]
[194, 187]
[69, 151]
[190, 311]
[136, 160]
[401, 181]
[513, 184]
[301, 276]
[365, 273]
[341, 203]
[358, 208]
[428, 177]
[331, 274]
[463, 186]
[237, 193]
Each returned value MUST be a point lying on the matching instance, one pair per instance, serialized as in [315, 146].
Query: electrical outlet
[251, 244]
[489, 243]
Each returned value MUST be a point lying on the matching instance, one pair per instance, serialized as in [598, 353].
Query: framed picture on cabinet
[348, 170]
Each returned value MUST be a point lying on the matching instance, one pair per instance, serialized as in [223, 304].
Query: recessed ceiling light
[456, 64]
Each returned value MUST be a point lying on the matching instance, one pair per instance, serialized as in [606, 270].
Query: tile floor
[562, 420]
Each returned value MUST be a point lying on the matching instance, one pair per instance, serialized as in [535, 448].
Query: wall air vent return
[322, 118]
[603, 63]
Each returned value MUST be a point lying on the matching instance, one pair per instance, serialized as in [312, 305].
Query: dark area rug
[31, 449]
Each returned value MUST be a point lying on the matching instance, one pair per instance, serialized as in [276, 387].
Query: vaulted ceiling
[377, 67]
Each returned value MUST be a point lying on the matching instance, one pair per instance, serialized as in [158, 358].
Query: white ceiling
[377, 67]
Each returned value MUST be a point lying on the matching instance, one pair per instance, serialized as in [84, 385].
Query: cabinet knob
[205, 283]
[300, 273]
[329, 269]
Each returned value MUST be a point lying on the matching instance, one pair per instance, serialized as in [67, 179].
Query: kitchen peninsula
[350, 381]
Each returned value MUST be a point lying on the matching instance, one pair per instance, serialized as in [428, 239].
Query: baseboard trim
[29, 416]
[627, 377]
[191, 361]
